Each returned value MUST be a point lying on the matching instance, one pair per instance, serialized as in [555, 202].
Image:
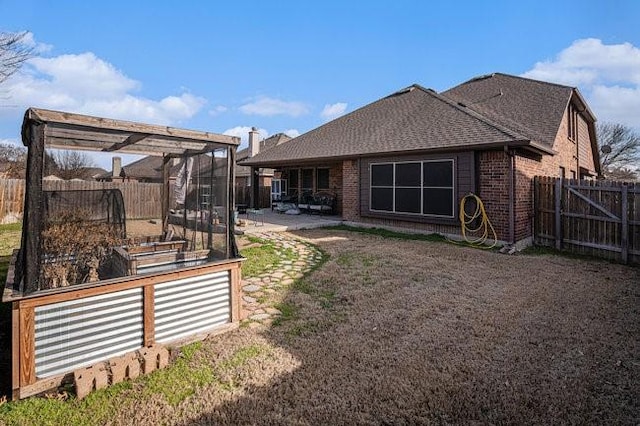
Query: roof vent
[462, 105]
[482, 77]
[403, 91]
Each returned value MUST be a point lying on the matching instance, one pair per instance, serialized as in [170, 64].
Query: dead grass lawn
[412, 332]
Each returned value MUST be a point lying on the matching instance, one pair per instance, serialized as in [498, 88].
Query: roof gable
[531, 107]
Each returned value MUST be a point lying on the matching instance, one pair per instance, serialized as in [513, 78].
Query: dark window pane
[408, 174]
[438, 201]
[293, 179]
[382, 199]
[408, 200]
[307, 179]
[322, 178]
[438, 173]
[382, 175]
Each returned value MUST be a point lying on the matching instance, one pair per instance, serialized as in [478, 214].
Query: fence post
[624, 216]
[558, 213]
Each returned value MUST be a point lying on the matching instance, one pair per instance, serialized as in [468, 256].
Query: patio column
[255, 187]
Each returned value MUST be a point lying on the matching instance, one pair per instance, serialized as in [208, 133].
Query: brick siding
[493, 175]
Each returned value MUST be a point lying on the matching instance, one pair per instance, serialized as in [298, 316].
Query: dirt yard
[412, 332]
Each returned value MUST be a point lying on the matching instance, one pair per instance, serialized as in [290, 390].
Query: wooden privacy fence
[11, 197]
[598, 218]
[243, 196]
[141, 200]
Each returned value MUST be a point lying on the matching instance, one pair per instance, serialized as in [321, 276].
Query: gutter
[519, 143]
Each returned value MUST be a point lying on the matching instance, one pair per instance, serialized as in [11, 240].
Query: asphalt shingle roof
[413, 119]
[531, 107]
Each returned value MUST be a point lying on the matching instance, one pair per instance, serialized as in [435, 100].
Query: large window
[418, 187]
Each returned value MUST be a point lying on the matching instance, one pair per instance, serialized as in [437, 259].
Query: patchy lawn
[9, 238]
[396, 331]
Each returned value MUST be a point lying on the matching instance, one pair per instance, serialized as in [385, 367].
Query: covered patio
[267, 220]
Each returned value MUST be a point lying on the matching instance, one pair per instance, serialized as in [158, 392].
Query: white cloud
[38, 48]
[294, 133]
[243, 133]
[270, 106]
[218, 109]
[589, 61]
[331, 111]
[607, 75]
[84, 83]
[616, 104]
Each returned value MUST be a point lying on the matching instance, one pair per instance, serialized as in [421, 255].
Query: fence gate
[599, 218]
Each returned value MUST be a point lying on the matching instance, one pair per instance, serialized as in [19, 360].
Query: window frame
[572, 133]
[421, 188]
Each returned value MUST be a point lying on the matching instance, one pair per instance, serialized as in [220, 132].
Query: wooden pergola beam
[105, 125]
[132, 139]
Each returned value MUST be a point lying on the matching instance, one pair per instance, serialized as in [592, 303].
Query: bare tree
[13, 160]
[72, 164]
[11, 153]
[13, 53]
[621, 173]
[620, 149]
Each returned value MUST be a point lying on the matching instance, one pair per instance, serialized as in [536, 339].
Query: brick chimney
[254, 142]
[116, 167]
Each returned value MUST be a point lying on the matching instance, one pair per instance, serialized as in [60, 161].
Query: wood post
[236, 294]
[558, 213]
[32, 221]
[148, 316]
[624, 216]
[27, 345]
[15, 350]
[166, 168]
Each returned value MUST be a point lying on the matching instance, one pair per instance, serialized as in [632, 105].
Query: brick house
[407, 160]
[243, 173]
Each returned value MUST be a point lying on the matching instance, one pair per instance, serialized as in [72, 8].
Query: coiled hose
[484, 230]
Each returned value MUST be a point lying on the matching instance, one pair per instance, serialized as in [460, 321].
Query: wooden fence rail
[598, 218]
[142, 200]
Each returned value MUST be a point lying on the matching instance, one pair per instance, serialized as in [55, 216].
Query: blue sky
[289, 66]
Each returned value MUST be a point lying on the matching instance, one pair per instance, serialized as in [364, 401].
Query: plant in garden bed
[75, 248]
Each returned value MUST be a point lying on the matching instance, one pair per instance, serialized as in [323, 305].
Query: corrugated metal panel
[192, 305]
[81, 332]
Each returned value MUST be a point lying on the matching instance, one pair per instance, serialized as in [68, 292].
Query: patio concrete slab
[271, 221]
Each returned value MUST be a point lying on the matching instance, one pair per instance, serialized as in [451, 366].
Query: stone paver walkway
[258, 291]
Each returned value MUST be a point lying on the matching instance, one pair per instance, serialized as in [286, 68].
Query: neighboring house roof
[150, 168]
[94, 172]
[265, 145]
[413, 119]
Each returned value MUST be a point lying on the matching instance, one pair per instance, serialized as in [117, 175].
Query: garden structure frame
[58, 330]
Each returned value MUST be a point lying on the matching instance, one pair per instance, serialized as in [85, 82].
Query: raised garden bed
[82, 292]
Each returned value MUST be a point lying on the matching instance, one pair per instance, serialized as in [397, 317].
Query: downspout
[512, 195]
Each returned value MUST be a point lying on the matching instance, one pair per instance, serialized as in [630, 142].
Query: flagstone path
[256, 300]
